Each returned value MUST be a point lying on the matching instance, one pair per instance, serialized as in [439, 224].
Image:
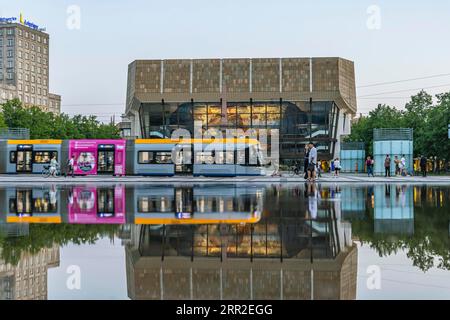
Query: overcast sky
[388, 40]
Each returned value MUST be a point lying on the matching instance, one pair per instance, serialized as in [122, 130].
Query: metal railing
[386, 134]
[14, 133]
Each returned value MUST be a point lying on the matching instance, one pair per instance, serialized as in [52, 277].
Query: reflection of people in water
[387, 195]
[52, 195]
[70, 197]
[312, 200]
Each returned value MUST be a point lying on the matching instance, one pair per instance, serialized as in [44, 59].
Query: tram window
[163, 157]
[12, 157]
[154, 157]
[145, 157]
[205, 157]
[44, 156]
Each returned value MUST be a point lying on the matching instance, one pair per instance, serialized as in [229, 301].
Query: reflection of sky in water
[305, 227]
[102, 268]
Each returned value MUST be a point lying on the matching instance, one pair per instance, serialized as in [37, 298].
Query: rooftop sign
[22, 21]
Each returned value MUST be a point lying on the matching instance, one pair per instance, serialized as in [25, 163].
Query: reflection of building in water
[202, 263]
[394, 210]
[353, 202]
[28, 280]
[303, 252]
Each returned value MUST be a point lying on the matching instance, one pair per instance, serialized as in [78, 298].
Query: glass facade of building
[298, 122]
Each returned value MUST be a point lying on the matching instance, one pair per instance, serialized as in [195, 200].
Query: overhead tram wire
[404, 80]
[405, 90]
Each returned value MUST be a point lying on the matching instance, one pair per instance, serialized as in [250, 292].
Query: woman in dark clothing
[306, 162]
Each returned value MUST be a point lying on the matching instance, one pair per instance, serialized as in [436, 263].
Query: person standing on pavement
[404, 169]
[312, 162]
[387, 166]
[337, 167]
[423, 166]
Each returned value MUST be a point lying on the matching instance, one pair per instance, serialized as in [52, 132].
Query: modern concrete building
[24, 65]
[307, 99]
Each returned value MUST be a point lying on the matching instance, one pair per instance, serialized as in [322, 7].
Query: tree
[429, 121]
[46, 125]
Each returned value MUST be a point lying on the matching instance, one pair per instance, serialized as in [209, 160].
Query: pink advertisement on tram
[97, 205]
[96, 156]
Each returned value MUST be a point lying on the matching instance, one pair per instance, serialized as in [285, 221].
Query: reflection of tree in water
[46, 235]
[429, 246]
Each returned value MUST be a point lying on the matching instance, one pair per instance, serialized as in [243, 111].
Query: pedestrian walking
[369, 165]
[53, 167]
[70, 167]
[397, 165]
[387, 166]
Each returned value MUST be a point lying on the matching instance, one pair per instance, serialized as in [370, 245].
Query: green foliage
[428, 120]
[46, 125]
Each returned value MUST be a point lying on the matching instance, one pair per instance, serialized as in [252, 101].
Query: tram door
[105, 161]
[183, 160]
[24, 159]
[105, 202]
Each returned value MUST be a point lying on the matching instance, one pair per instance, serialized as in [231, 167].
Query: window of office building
[10, 31]
[10, 64]
[10, 54]
[10, 42]
[10, 76]
[1, 42]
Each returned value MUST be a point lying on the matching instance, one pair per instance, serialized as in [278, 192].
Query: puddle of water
[225, 241]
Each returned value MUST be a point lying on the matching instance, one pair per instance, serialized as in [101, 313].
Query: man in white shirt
[312, 162]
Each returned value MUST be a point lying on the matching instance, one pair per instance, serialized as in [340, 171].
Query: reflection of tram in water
[165, 205]
[96, 205]
[31, 205]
